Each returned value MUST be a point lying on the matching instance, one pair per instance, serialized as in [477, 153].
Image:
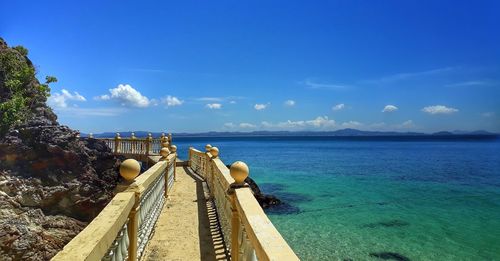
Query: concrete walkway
[187, 227]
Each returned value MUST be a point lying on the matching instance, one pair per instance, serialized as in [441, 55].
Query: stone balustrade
[248, 232]
[122, 229]
[133, 146]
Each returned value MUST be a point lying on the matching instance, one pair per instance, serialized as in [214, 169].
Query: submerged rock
[265, 200]
[390, 256]
[390, 223]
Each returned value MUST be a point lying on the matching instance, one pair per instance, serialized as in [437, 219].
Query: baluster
[149, 140]
[118, 252]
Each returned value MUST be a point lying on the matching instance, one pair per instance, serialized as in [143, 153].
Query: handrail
[123, 227]
[94, 241]
[247, 231]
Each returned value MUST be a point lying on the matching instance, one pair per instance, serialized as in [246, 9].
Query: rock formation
[52, 183]
[265, 200]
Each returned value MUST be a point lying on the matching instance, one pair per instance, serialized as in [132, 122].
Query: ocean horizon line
[265, 133]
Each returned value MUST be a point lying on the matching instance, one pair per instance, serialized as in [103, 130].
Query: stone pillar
[239, 172]
[190, 155]
[173, 149]
[149, 141]
[117, 142]
[129, 170]
[164, 152]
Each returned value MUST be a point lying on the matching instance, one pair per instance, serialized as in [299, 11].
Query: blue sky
[265, 65]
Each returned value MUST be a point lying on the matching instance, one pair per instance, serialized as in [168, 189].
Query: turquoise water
[377, 199]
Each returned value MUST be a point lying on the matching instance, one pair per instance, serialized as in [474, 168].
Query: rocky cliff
[52, 183]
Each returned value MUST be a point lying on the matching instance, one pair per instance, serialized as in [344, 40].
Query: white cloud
[214, 106]
[439, 109]
[319, 123]
[260, 107]
[352, 124]
[404, 76]
[469, 83]
[229, 125]
[210, 99]
[126, 95]
[82, 112]
[103, 97]
[232, 102]
[171, 101]
[246, 125]
[377, 125]
[390, 108]
[60, 100]
[338, 107]
[326, 86]
[407, 124]
[488, 114]
[290, 103]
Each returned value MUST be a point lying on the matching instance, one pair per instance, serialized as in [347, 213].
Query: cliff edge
[52, 183]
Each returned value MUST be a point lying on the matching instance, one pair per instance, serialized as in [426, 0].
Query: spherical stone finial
[214, 151]
[239, 172]
[164, 152]
[117, 135]
[208, 147]
[133, 135]
[173, 148]
[91, 135]
[165, 144]
[129, 169]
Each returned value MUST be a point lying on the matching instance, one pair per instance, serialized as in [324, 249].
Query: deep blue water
[371, 198]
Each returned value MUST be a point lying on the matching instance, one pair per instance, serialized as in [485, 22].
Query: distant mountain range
[337, 133]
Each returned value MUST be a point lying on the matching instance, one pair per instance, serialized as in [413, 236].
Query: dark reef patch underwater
[390, 223]
[390, 256]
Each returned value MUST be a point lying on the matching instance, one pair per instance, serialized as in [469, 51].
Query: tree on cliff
[22, 96]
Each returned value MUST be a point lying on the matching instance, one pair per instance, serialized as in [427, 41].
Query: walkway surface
[187, 227]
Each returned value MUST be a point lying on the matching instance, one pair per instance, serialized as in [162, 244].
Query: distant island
[337, 133]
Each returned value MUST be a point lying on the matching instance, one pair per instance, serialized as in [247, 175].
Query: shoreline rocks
[265, 200]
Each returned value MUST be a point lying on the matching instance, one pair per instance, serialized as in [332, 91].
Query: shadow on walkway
[212, 245]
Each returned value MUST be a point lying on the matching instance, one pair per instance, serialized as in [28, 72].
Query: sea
[376, 198]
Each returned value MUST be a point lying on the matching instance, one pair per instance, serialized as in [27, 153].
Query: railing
[124, 226]
[248, 232]
[137, 146]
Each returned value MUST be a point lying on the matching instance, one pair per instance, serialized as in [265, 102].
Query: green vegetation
[20, 91]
